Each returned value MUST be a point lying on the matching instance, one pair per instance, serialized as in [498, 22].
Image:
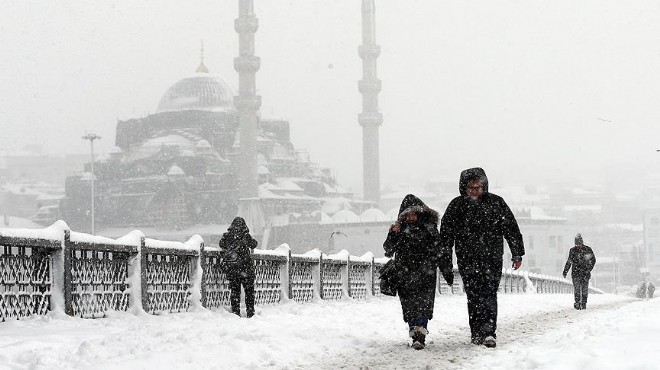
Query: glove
[517, 261]
[564, 274]
[449, 276]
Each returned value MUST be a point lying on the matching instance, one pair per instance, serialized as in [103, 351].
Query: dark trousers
[235, 282]
[581, 291]
[481, 286]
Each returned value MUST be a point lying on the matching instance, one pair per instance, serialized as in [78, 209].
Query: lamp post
[91, 137]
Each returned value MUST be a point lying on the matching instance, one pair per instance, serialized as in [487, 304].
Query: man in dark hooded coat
[413, 240]
[236, 247]
[583, 260]
[477, 222]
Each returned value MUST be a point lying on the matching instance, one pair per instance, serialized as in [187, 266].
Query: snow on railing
[55, 269]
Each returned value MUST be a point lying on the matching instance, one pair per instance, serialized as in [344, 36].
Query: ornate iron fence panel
[376, 279]
[443, 287]
[508, 284]
[214, 282]
[301, 280]
[331, 279]
[502, 287]
[521, 284]
[25, 277]
[357, 279]
[268, 283]
[457, 287]
[168, 281]
[99, 282]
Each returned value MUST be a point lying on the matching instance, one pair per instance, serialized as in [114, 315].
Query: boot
[490, 342]
[418, 334]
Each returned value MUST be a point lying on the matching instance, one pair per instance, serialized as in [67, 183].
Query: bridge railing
[87, 276]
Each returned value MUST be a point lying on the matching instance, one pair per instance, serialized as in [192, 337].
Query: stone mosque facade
[179, 166]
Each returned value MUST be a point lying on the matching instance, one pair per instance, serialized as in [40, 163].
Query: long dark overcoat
[477, 229]
[415, 249]
[236, 247]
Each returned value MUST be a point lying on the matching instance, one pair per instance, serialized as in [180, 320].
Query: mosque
[207, 155]
[178, 166]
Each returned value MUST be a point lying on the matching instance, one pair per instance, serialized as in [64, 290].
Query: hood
[238, 226]
[411, 203]
[476, 173]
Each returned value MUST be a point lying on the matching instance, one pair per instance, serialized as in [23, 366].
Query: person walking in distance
[476, 223]
[582, 258]
[236, 247]
[414, 241]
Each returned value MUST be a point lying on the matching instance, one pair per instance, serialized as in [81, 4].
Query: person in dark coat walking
[413, 240]
[583, 260]
[641, 291]
[236, 247]
[477, 222]
[651, 290]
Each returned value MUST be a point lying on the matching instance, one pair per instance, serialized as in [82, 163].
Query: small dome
[262, 170]
[345, 216]
[373, 215]
[203, 91]
[203, 144]
[393, 214]
[175, 171]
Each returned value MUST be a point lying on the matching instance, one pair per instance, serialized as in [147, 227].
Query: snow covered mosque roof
[333, 205]
[373, 214]
[154, 145]
[203, 91]
[393, 213]
[345, 216]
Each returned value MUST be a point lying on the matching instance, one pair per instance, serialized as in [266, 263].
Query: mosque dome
[202, 91]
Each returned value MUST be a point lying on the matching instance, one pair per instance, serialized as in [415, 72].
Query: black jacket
[583, 261]
[236, 247]
[416, 248]
[478, 228]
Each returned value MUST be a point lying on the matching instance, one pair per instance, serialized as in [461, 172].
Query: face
[475, 189]
[412, 217]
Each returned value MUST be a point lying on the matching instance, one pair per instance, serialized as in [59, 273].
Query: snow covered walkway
[535, 332]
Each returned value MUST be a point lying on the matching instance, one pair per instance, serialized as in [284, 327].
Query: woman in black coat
[236, 247]
[413, 240]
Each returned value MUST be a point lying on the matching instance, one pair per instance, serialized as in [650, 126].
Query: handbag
[388, 279]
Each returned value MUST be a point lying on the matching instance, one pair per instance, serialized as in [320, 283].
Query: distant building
[179, 166]
[32, 182]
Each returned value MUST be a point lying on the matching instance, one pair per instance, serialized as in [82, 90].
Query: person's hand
[564, 274]
[396, 227]
[516, 264]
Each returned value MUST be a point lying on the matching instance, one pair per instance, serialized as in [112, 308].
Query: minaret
[247, 103]
[370, 119]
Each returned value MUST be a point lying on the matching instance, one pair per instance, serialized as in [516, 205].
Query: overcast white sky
[533, 88]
